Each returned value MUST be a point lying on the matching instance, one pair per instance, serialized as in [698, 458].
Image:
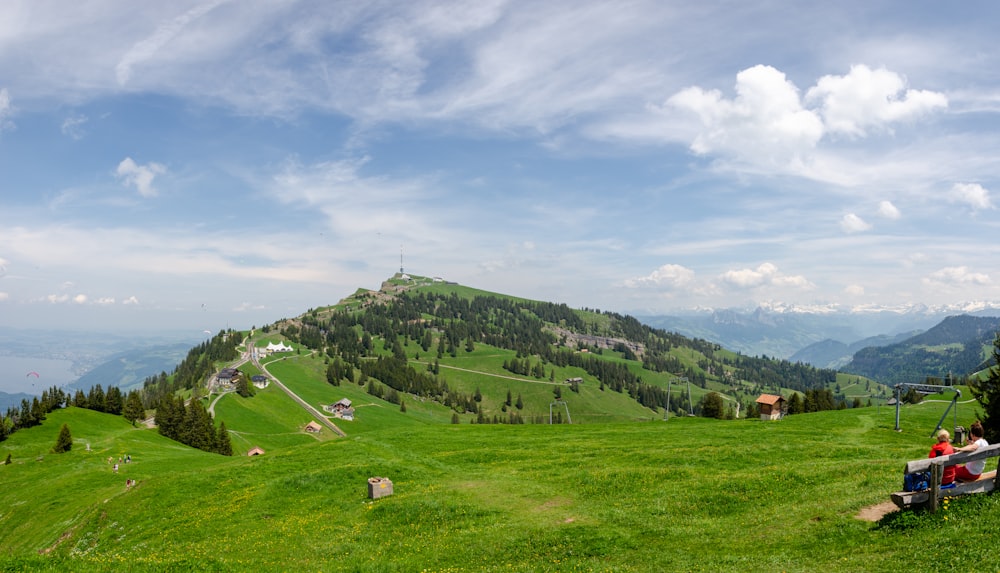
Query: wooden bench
[987, 482]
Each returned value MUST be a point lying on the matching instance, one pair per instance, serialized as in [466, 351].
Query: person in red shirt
[943, 448]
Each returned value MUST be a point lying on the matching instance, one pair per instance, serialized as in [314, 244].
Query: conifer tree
[712, 406]
[795, 404]
[64, 442]
[987, 393]
[113, 400]
[95, 399]
[133, 409]
[223, 445]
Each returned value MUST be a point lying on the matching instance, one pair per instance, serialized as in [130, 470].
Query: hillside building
[771, 406]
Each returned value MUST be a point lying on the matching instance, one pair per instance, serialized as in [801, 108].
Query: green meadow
[688, 494]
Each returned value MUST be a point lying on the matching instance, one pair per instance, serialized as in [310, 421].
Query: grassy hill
[690, 494]
[467, 337]
[620, 489]
[958, 346]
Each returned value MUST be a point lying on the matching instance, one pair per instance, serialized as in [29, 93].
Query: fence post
[996, 478]
[935, 486]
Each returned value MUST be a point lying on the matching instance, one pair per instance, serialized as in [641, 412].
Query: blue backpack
[918, 481]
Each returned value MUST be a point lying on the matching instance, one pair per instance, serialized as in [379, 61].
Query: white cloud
[80, 299]
[765, 122]
[972, 194]
[6, 110]
[766, 274]
[4, 296]
[854, 290]
[669, 275]
[140, 176]
[130, 300]
[957, 275]
[797, 281]
[104, 301]
[73, 126]
[867, 99]
[888, 210]
[767, 125]
[852, 223]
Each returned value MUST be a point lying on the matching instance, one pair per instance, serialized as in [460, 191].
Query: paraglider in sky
[32, 373]
[207, 331]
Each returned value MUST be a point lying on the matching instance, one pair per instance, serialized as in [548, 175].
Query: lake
[14, 376]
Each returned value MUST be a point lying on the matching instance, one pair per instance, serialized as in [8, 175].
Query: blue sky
[193, 165]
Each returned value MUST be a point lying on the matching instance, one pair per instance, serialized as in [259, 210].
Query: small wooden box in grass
[379, 487]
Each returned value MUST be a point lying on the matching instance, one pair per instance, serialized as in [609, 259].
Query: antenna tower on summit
[401, 259]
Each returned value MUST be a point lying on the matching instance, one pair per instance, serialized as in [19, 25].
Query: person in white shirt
[972, 470]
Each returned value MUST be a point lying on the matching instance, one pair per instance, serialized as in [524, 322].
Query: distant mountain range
[958, 346]
[821, 336]
[887, 346]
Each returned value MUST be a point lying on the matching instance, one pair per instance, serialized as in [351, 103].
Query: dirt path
[876, 512]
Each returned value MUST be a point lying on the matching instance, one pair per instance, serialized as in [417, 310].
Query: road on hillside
[533, 381]
[312, 411]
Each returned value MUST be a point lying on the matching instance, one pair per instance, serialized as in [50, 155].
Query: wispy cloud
[73, 126]
[139, 176]
[6, 110]
[148, 47]
[960, 275]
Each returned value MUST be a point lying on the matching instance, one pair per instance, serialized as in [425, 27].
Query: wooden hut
[770, 406]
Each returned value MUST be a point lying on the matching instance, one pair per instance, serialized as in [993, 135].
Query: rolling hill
[835, 354]
[958, 346]
[688, 494]
[618, 489]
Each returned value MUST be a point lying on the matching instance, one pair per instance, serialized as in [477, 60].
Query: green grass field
[689, 494]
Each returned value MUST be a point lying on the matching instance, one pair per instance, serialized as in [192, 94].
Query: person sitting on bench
[972, 470]
[943, 448]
